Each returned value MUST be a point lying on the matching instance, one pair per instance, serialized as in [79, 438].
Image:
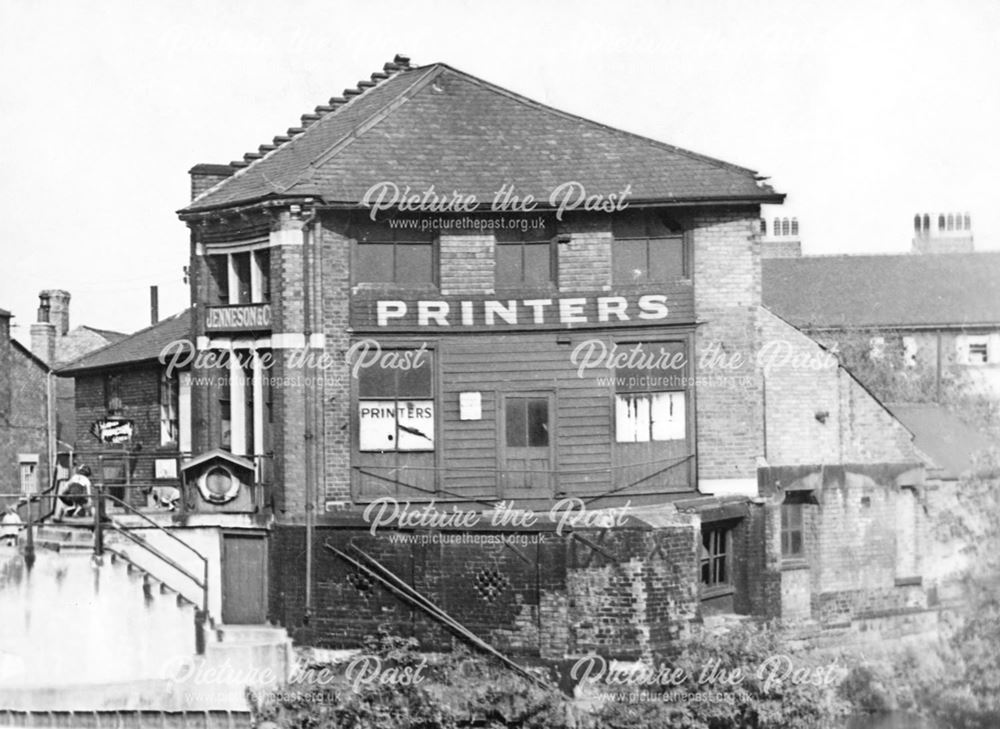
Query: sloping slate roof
[437, 126]
[83, 340]
[942, 436]
[142, 346]
[948, 289]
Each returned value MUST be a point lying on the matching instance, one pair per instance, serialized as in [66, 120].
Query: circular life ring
[218, 484]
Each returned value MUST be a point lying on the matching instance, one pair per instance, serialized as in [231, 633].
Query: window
[795, 226]
[978, 350]
[527, 422]
[792, 544]
[113, 394]
[876, 348]
[218, 268]
[916, 223]
[650, 404]
[716, 548]
[396, 405]
[968, 221]
[525, 257]
[225, 404]
[763, 226]
[647, 249]
[786, 227]
[387, 254]
[28, 470]
[927, 223]
[644, 417]
[241, 278]
[169, 410]
[910, 350]
[262, 263]
[940, 222]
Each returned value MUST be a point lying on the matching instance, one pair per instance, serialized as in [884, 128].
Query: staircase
[120, 639]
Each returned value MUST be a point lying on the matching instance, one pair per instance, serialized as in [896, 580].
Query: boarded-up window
[644, 417]
[396, 404]
[650, 402]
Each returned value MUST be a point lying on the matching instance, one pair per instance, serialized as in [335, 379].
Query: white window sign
[396, 425]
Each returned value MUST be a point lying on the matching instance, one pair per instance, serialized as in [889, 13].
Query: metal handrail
[157, 553]
[98, 539]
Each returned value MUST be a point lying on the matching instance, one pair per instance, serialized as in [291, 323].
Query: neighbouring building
[56, 343]
[929, 320]
[434, 295]
[132, 412]
[27, 412]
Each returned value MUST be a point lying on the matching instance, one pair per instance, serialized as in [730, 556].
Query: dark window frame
[396, 397]
[793, 543]
[113, 405]
[720, 559]
[371, 234]
[652, 238]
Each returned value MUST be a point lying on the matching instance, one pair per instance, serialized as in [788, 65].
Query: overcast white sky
[863, 112]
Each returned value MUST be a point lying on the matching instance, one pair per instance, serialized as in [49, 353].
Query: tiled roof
[941, 290]
[437, 126]
[143, 346]
[942, 436]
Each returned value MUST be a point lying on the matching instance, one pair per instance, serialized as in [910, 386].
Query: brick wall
[140, 399]
[467, 263]
[549, 596]
[862, 543]
[335, 253]
[585, 253]
[727, 289]
[24, 416]
[816, 411]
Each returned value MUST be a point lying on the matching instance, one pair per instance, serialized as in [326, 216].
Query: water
[890, 720]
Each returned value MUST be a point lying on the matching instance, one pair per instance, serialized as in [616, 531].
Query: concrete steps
[105, 642]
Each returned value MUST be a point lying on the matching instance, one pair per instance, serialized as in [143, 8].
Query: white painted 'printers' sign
[396, 425]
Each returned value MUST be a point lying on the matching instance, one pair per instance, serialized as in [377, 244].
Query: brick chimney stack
[52, 324]
[5, 364]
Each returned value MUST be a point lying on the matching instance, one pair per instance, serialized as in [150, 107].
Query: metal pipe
[308, 394]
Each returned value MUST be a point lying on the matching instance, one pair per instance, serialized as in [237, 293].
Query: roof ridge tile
[399, 64]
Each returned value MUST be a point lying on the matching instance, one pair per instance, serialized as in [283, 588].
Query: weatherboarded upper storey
[434, 128]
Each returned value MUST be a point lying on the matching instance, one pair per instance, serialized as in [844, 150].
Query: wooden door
[244, 579]
[526, 446]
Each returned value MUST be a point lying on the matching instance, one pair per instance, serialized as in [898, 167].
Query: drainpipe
[308, 392]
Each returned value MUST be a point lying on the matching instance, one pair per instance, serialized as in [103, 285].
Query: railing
[664, 475]
[100, 519]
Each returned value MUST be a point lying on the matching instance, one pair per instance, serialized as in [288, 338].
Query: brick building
[435, 291]
[933, 319]
[132, 420]
[56, 343]
[27, 411]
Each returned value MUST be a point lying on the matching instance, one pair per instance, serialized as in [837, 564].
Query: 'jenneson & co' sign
[243, 317]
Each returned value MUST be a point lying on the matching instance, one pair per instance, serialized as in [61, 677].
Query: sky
[862, 112]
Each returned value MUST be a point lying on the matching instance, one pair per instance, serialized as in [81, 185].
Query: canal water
[891, 720]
